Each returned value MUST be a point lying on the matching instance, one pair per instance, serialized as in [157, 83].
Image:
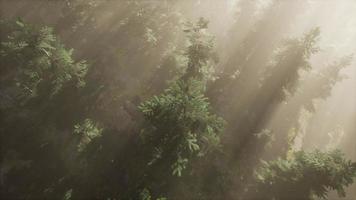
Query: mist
[189, 99]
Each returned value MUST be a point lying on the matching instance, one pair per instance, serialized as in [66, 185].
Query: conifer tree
[181, 126]
[36, 71]
[304, 176]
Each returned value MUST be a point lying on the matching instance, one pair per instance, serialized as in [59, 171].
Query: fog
[314, 103]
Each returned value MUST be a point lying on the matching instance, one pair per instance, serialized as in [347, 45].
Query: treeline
[129, 100]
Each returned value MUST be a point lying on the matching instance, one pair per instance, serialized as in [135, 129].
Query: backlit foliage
[305, 176]
[182, 126]
[172, 106]
[34, 61]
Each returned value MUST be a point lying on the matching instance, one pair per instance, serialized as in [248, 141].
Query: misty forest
[178, 99]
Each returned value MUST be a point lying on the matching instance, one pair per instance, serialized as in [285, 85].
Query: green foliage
[181, 124]
[146, 195]
[70, 133]
[68, 195]
[87, 130]
[305, 176]
[33, 59]
[39, 83]
[200, 54]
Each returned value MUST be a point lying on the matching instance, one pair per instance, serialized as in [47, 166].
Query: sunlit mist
[178, 99]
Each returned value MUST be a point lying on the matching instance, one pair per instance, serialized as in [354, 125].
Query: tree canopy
[143, 100]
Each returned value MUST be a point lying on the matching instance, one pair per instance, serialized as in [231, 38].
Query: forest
[178, 99]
